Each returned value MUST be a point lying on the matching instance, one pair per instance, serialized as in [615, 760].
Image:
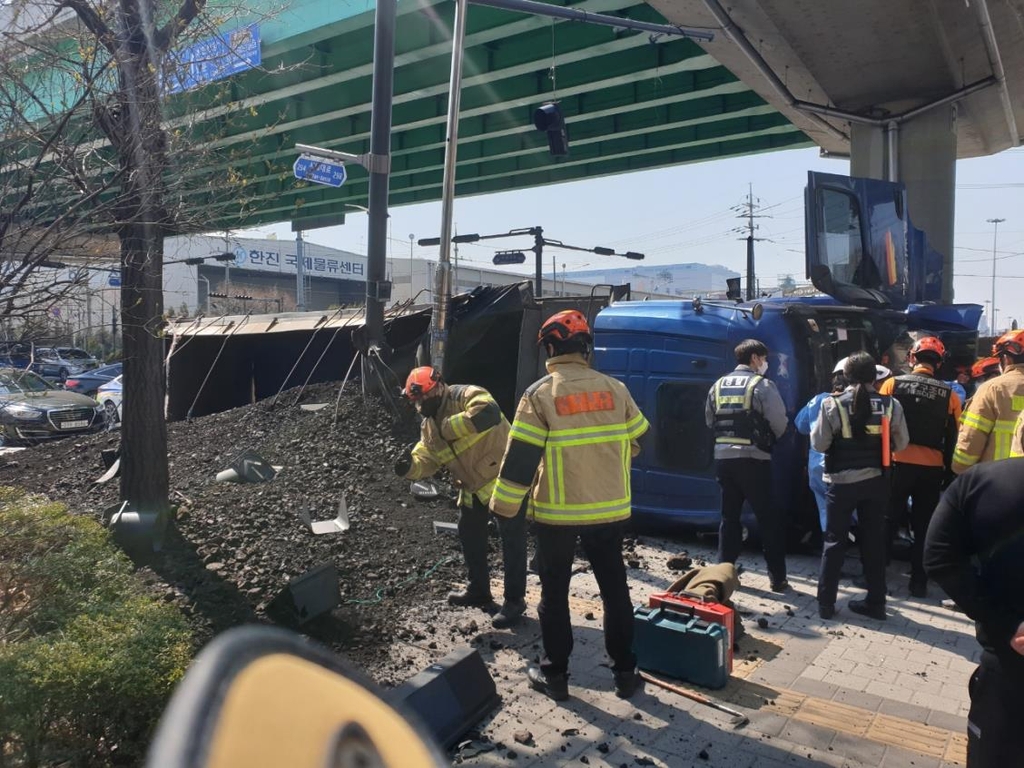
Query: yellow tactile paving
[838, 717]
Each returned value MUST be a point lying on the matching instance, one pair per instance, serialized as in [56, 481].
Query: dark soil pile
[234, 547]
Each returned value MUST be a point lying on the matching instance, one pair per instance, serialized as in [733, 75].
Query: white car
[109, 396]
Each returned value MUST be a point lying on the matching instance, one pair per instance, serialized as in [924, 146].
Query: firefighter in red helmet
[932, 412]
[573, 437]
[464, 430]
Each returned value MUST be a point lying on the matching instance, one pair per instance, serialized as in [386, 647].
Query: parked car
[63, 361]
[89, 381]
[32, 409]
[15, 354]
[109, 398]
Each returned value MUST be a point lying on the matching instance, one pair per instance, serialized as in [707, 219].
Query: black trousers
[473, 535]
[923, 486]
[750, 480]
[556, 546]
[870, 500]
[995, 738]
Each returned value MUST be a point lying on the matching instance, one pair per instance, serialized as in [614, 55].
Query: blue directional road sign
[509, 257]
[114, 280]
[320, 170]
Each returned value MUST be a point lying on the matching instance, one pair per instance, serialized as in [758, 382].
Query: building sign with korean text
[214, 58]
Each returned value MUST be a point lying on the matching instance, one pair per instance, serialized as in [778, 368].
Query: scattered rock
[703, 754]
[680, 562]
[762, 622]
[523, 737]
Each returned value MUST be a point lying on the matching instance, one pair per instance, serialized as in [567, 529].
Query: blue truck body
[881, 277]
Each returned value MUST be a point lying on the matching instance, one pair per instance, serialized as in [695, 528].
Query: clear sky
[685, 214]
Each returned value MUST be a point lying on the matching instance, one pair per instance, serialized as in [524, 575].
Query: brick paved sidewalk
[846, 692]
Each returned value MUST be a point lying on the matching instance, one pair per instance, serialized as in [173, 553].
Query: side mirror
[424, 490]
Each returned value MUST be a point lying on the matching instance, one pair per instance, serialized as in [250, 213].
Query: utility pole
[747, 211]
[995, 239]
[538, 248]
[300, 272]
[411, 239]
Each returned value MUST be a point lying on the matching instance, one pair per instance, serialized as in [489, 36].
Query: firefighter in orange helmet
[464, 430]
[932, 412]
[988, 422]
[573, 437]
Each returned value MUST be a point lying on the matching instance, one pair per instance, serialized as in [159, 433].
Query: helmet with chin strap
[563, 326]
[1010, 343]
[421, 382]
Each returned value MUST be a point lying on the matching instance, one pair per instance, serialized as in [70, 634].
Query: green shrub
[87, 659]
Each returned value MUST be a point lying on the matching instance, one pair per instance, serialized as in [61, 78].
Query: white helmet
[881, 372]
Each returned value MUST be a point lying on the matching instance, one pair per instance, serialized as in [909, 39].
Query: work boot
[627, 683]
[470, 597]
[780, 587]
[864, 608]
[553, 686]
[509, 615]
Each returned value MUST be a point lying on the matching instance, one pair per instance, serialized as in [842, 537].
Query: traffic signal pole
[538, 248]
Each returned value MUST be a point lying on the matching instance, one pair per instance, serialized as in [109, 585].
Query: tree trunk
[142, 150]
[144, 474]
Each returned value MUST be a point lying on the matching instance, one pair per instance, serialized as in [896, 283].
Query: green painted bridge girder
[630, 104]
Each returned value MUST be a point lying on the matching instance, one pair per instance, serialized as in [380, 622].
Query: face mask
[429, 407]
[762, 369]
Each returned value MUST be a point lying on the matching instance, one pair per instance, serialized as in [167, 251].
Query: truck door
[856, 240]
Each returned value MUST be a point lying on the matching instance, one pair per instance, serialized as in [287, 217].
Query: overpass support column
[923, 151]
[927, 165]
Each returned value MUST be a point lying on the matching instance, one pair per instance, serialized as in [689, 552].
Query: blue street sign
[320, 170]
[214, 58]
[509, 257]
[114, 281]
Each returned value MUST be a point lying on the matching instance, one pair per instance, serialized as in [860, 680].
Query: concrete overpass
[904, 87]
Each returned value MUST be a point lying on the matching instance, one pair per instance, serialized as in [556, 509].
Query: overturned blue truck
[882, 283]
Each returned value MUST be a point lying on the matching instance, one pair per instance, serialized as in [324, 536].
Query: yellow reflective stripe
[637, 426]
[871, 430]
[1002, 446]
[844, 420]
[508, 492]
[732, 399]
[972, 419]
[584, 506]
[734, 440]
[457, 424]
[961, 457]
[559, 477]
[588, 430]
[565, 442]
[484, 493]
[445, 457]
[599, 517]
[528, 434]
[1017, 402]
[1004, 426]
[464, 444]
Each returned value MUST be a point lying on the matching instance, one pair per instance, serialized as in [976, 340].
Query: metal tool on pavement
[321, 527]
[424, 490]
[741, 719]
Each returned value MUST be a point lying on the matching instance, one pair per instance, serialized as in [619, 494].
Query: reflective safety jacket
[986, 429]
[932, 410]
[467, 436]
[865, 452]
[1017, 446]
[573, 438]
[736, 421]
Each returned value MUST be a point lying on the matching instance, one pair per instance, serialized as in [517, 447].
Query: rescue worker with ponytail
[857, 431]
[573, 438]
[464, 430]
[932, 412]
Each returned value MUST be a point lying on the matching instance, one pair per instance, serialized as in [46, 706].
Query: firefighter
[987, 425]
[932, 412]
[747, 415]
[851, 431]
[574, 435]
[974, 552]
[464, 430]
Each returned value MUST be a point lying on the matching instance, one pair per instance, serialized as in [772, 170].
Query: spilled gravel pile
[233, 547]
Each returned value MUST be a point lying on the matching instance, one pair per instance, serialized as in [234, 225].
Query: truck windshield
[840, 243]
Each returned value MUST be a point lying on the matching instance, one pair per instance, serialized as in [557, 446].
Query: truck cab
[880, 278]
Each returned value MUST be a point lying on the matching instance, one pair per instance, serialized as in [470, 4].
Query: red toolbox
[702, 608]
